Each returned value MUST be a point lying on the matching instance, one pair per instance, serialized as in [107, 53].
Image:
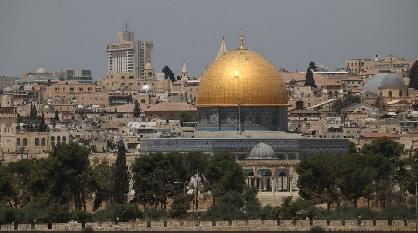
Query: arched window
[64, 139]
[25, 142]
[36, 141]
[58, 139]
[18, 141]
[390, 94]
[43, 142]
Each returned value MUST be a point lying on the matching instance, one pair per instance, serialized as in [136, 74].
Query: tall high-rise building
[145, 52]
[128, 55]
[122, 56]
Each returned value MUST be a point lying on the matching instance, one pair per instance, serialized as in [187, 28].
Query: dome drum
[250, 118]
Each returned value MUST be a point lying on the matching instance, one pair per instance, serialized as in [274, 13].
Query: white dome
[384, 81]
[41, 70]
[261, 151]
[146, 88]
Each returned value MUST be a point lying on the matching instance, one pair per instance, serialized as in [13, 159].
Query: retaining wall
[236, 225]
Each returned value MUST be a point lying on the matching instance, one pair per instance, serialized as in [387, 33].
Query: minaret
[184, 73]
[184, 76]
[222, 49]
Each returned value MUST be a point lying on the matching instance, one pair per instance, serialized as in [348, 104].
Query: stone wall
[236, 225]
[300, 146]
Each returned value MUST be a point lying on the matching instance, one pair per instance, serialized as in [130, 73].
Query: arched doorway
[283, 181]
[264, 176]
[249, 175]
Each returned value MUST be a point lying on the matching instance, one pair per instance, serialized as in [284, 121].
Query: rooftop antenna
[126, 24]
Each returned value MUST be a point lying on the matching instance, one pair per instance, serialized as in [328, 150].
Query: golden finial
[241, 46]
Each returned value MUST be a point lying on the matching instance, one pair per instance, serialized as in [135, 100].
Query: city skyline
[66, 35]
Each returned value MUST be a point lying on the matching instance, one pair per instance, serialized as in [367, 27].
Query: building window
[58, 139]
[25, 142]
[18, 141]
[43, 142]
[64, 139]
[36, 141]
[390, 94]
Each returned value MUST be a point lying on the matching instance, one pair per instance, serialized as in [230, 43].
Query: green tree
[125, 212]
[33, 112]
[223, 175]
[168, 73]
[8, 190]
[413, 76]
[355, 178]
[30, 180]
[42, 127]
[383, 146]
[383, 184]
[56, 116]
[179, 206]
[155, 176]
[227, 207]
[318, 179]
[309, 77]
[100, 182]
[137, 110]
[412, 176]
[68, 168]
[121, 176]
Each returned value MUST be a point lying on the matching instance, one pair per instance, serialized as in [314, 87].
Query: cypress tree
[413, 76]
[137, 110]
[33, 113]
[309, 78]
[121, 176]
[42, 127]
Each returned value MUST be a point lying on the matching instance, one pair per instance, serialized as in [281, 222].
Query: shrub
[179, 207]
[154, 213]
[125, 212]
[397, 212]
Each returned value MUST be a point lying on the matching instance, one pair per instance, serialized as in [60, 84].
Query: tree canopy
[413, 76]
[121, 176]
[309, 77]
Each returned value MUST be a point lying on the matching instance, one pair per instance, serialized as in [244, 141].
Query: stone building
[75, 92]
[268, 173]
[170, 111]
[389, 63]
[7, 125]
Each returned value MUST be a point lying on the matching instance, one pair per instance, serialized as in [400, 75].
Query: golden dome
[242, 77]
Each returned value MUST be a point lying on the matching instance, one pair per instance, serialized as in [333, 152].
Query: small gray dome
[383, 81]
[261, 151]
[47, 108]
